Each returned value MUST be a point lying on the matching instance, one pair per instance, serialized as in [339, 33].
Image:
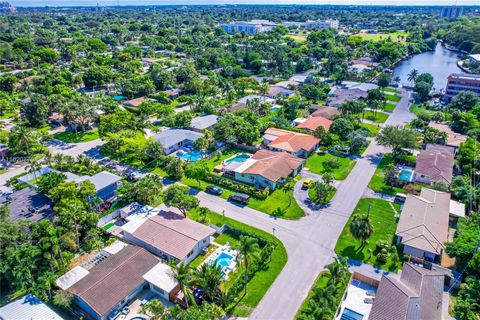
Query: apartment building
[462, 82]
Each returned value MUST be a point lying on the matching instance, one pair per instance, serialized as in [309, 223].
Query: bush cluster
[227, 183]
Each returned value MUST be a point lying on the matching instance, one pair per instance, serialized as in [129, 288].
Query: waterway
[440, 63]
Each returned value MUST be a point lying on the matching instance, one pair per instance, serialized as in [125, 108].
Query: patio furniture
[371, 293]
[368, 300]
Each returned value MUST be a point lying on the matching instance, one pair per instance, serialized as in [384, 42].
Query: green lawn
[391, 90]
[382, 217]
[263, 279]
[379, 117]
[419, 109]
[395, 36]
[373, 128]
[84, 136]
[389, 107]
[377, 183]
[315, 164]
[392, 97]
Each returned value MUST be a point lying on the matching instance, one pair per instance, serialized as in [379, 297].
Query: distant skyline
[27, 3]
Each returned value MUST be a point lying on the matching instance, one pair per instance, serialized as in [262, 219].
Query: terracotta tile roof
[134, 102]
[273, 165]
[113, 279]
[172, 233]
[291, 141]
[423, 223]
[453, 139]
[313, 123]
[436, 164]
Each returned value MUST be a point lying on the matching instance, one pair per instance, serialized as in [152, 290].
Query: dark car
[213, 190]
[240, 198]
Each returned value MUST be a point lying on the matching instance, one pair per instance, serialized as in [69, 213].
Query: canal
[439, 63]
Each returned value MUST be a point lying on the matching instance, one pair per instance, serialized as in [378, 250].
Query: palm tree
[58, 159]
[25, 136]
[413, 75]
[182, 274]
[73, 211]
[287, 188]
[33, 167]
[208, 277]
[48, 159]
[247, 247]
[361, 228]
[154, 309]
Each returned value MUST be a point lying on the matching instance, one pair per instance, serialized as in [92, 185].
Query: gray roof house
[205, 122]
[423, 224]
[105, 183]
[417, 295]
[28, 204]
[28, 307]
[172, 139]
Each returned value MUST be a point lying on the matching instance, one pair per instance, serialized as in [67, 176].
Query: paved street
[309, 241]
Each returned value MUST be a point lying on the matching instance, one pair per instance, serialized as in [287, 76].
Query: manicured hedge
[227, 183]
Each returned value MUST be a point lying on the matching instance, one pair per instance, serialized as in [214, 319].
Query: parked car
[239, 197]
[307, 183]
[213, 190]
[400, 198]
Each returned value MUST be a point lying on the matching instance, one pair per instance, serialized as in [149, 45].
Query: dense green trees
[397, 138]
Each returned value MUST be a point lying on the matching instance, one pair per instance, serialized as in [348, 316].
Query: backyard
[316, 164]
[377, 183]
[263, 279]
[383, 219]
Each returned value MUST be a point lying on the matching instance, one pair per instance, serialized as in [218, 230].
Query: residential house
[105, 183]
[168, 235]
[275, 91]
[312, 123]
[202, 123]
[172, 93]
[115, 277]
[134, 102]
[28, 307]
[423, 224]
[454, 139]
[298, 144]
[29, 204]
[172, 139]
[268, 169]
[340, 96]
[434, 165]
[416, 295]
[324, 111]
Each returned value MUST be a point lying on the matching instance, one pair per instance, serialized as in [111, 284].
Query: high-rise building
[462, 82]
[451, 12]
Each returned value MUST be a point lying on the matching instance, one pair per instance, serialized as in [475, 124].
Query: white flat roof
[457, 209]
[28, 307]
[137, 218]
[115, 247]
[72, 277]
[160, 276]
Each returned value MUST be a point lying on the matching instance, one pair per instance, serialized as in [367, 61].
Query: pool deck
[215, 254]
[355, 299]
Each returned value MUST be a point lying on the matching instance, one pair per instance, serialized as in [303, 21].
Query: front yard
[72, 137]
[263, 279]
[377, 116]
[384, 222]
[316, 164]
[377, 183]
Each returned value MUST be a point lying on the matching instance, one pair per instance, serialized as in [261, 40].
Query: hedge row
[227, 183]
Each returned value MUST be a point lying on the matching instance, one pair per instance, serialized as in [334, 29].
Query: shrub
[382, 256]
[227, 183]
[381, 244]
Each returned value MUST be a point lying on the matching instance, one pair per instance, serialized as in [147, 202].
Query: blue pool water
[351, 315]
[240, 157]
[406, 175]
[190, 156]
[223, 260]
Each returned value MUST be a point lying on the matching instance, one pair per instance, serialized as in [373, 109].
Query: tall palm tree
[247, 247]
[361, 228]
[48, 159]
[287, 188]
[183, 275]
[33, 167]
[73, 211]
[209, 277]
[413, 75]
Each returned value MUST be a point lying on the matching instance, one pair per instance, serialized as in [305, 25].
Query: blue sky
[160, 2]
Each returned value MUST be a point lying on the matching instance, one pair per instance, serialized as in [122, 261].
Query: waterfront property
[297, 144]
[417, 294]
[462, 82]
[434, 164]
[423, 224]
[266, 169]
[167, 235]
[172, 139]
[106, 283]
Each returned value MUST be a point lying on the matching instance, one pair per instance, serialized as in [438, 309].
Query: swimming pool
[406, 174]
[224, 260]
[190, 156]
[349, 314]
[239, 157]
